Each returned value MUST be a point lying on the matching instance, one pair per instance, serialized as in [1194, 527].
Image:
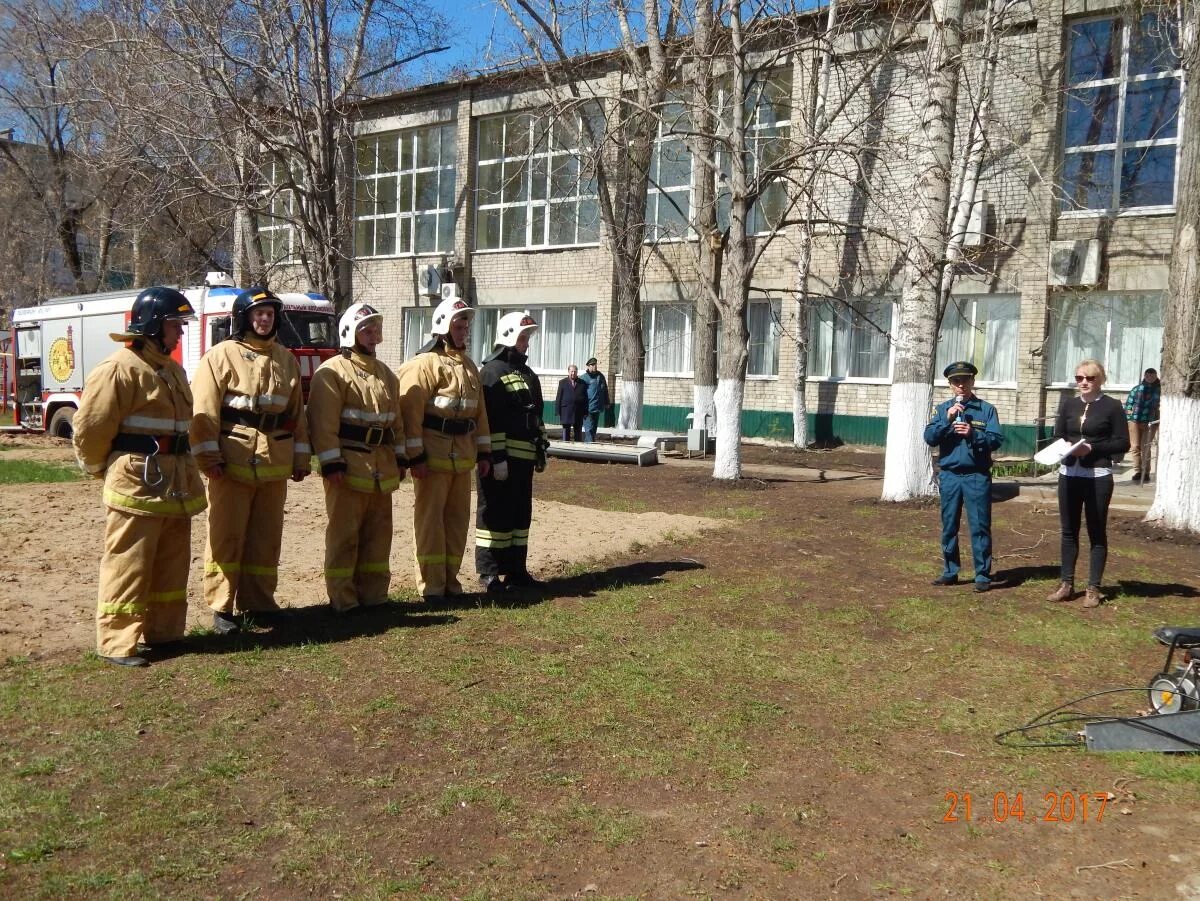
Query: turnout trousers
[441, 516]
[358, 546]
[502, 519]
[245, 534]
[972, 490]
[143, 582]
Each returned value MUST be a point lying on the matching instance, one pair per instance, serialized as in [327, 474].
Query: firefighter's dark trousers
[441, 516]
[143, 582]
[502, 521]
[358, 546]
[245, 534]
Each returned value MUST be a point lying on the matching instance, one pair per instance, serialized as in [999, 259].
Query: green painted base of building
[824, 429]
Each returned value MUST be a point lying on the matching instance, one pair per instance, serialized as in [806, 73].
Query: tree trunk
[1177, 496]
[708, 242]
[908, 465]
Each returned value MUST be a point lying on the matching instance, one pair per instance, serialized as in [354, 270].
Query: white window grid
[1122, 80]
[973, 308]
[850, 320]
[770, 95]
[535, 198]
[580, 335]
[669, 206]
[406, 214]
[1062, 369]
[763, 361]
[276, 232]
[658, 342]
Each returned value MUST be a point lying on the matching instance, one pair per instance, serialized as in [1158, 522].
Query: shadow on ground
[291, 627]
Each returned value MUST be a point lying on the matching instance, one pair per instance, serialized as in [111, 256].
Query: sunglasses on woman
[1086, 378]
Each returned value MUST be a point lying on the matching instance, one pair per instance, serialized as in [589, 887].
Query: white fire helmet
[448, 310]
[512, 325]
[356, 315]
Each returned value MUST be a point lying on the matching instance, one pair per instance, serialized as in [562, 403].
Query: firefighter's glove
[420, 470]
[484, 467]
[539, 454]
[500, 471]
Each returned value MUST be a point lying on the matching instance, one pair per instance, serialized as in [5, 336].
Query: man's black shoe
[523, 580]
[126, 661]
[160, 646]
[225, 624]
[942, 581]
[981, 587]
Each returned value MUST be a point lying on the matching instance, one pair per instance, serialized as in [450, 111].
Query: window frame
[1052, 334]
[649, 326]
[544, 150]
[973, 324]
[272, 225]
[775, 334]
[1118, 146]
[539, 313]
[852, 304]
[413, 213]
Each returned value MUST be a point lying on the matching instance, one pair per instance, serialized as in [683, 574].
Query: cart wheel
[60, 423]
[1166, 695]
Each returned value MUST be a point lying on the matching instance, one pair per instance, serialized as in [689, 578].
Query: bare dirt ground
[53, 536]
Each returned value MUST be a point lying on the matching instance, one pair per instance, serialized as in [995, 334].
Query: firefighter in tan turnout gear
[132, 430]
[357, 434]
[447, 436]
[513, 397]
[249, 435]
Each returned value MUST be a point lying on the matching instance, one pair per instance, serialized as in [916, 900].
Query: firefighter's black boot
[225, 624]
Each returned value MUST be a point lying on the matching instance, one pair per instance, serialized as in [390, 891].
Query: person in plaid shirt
[1141, 409]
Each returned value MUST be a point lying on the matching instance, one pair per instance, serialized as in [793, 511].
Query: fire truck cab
[54, 345]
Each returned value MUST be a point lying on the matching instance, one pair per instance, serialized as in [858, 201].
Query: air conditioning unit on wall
[1074, 264]
[429, 283]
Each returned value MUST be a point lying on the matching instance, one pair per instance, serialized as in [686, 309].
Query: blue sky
[483, 35]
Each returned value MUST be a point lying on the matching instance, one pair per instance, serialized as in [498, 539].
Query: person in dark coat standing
[572, 404]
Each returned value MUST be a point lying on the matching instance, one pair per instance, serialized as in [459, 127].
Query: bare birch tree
[1177, 498]
[908, 466]
[622, 163]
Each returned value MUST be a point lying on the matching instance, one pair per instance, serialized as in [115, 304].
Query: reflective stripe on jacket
[140, 392]
[443, 383]
[250, 375]
[358, 391]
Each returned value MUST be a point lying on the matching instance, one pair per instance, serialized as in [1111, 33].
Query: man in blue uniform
[965, 430]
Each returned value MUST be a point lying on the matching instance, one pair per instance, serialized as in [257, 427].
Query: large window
[536, 183]
[768, 110]
[404, 192]
[669, 194]
[1121, 123]
[850, 340]
[1123, 331]
[667, 330]
[275, 230]
[567, 335]
[762, 319]
[981, 330]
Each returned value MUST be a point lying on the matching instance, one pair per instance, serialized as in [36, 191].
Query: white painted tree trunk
[1177, 499]
[908, 466]
[799, 398]
[631, 405]
[704, 408]
[1177, 493]
[728, 399]
[907, 463]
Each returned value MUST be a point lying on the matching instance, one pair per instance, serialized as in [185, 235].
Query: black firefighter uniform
[355, 426]
[132, 430]
[513, 397]
[248, 418]
[446, 427]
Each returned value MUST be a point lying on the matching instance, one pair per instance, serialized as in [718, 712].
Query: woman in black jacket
[1085, 480]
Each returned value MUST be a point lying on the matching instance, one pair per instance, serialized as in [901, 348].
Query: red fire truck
[54, 345]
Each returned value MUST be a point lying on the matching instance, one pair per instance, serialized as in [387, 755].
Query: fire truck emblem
[62, 356]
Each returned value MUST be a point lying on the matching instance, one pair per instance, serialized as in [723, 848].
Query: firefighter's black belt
[132, 443]
[264, 422]
[449, 426]
[373, 436]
